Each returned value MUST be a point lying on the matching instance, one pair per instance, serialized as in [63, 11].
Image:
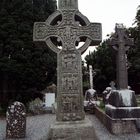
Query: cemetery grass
[138, 100]
[102, 105]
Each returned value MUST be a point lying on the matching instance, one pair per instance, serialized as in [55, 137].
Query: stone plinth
[123, 112]
[123, 98]
[72, 130]
[118, 126]
[123, 115]
[122, 104]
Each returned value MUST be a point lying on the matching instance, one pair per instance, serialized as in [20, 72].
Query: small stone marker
[112, 85]
[16, 121]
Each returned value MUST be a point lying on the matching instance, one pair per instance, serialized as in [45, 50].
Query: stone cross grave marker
[92, 73]
[67, 26]
[16, 121]
[91, 76]
[121, 43]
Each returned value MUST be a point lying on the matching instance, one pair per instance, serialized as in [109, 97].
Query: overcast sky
[109, 12]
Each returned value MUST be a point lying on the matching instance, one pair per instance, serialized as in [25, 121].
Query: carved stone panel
[69, 61]
[70, 97]
[70, 83]
[71, 108]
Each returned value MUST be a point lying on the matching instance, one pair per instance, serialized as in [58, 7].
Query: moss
[102, 106]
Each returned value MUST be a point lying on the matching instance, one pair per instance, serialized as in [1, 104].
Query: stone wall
[116, 126]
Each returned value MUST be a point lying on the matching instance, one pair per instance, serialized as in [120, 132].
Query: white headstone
[49, 99]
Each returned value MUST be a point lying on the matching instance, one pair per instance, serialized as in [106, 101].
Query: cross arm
[93, 31]
[114, 42]
[128, 43]
[42, 31]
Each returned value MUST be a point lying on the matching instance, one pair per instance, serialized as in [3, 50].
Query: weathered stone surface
[68, 4]
[70, 27]
[67, 26]
[122, 112]
[78, 130]
[122, 98]
[122, 104]
[16, 121]
[117, 126]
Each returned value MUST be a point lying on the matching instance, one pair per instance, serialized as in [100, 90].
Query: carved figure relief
[70, 104]
[69, 62]
[69, 82]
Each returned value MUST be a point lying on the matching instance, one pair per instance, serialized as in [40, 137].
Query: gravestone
[16, 121]
[49, 99]
[122, 102]
[67, 26]
[49, 102]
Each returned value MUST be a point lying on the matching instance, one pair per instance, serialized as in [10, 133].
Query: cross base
[122, 112]
[77, 130]
[122, 98]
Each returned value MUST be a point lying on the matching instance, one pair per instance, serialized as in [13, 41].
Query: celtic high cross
[121, 43]
[62, 32]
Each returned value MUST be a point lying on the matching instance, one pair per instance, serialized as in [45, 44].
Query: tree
[103, 62]
[23, 65]
[134, 53]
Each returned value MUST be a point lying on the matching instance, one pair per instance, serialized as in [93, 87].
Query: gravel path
[103, 134]
[38, 126]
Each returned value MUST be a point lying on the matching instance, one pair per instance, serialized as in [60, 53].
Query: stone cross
[67, 27]
[16, 121]
[121, 43]
[91, 76]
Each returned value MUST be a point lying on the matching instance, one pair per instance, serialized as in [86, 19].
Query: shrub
[36, 107]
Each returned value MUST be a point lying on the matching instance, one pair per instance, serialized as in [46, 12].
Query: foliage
[103, 62]
[102, 106]
[134, 52]
[36, 106]
[25, 68]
